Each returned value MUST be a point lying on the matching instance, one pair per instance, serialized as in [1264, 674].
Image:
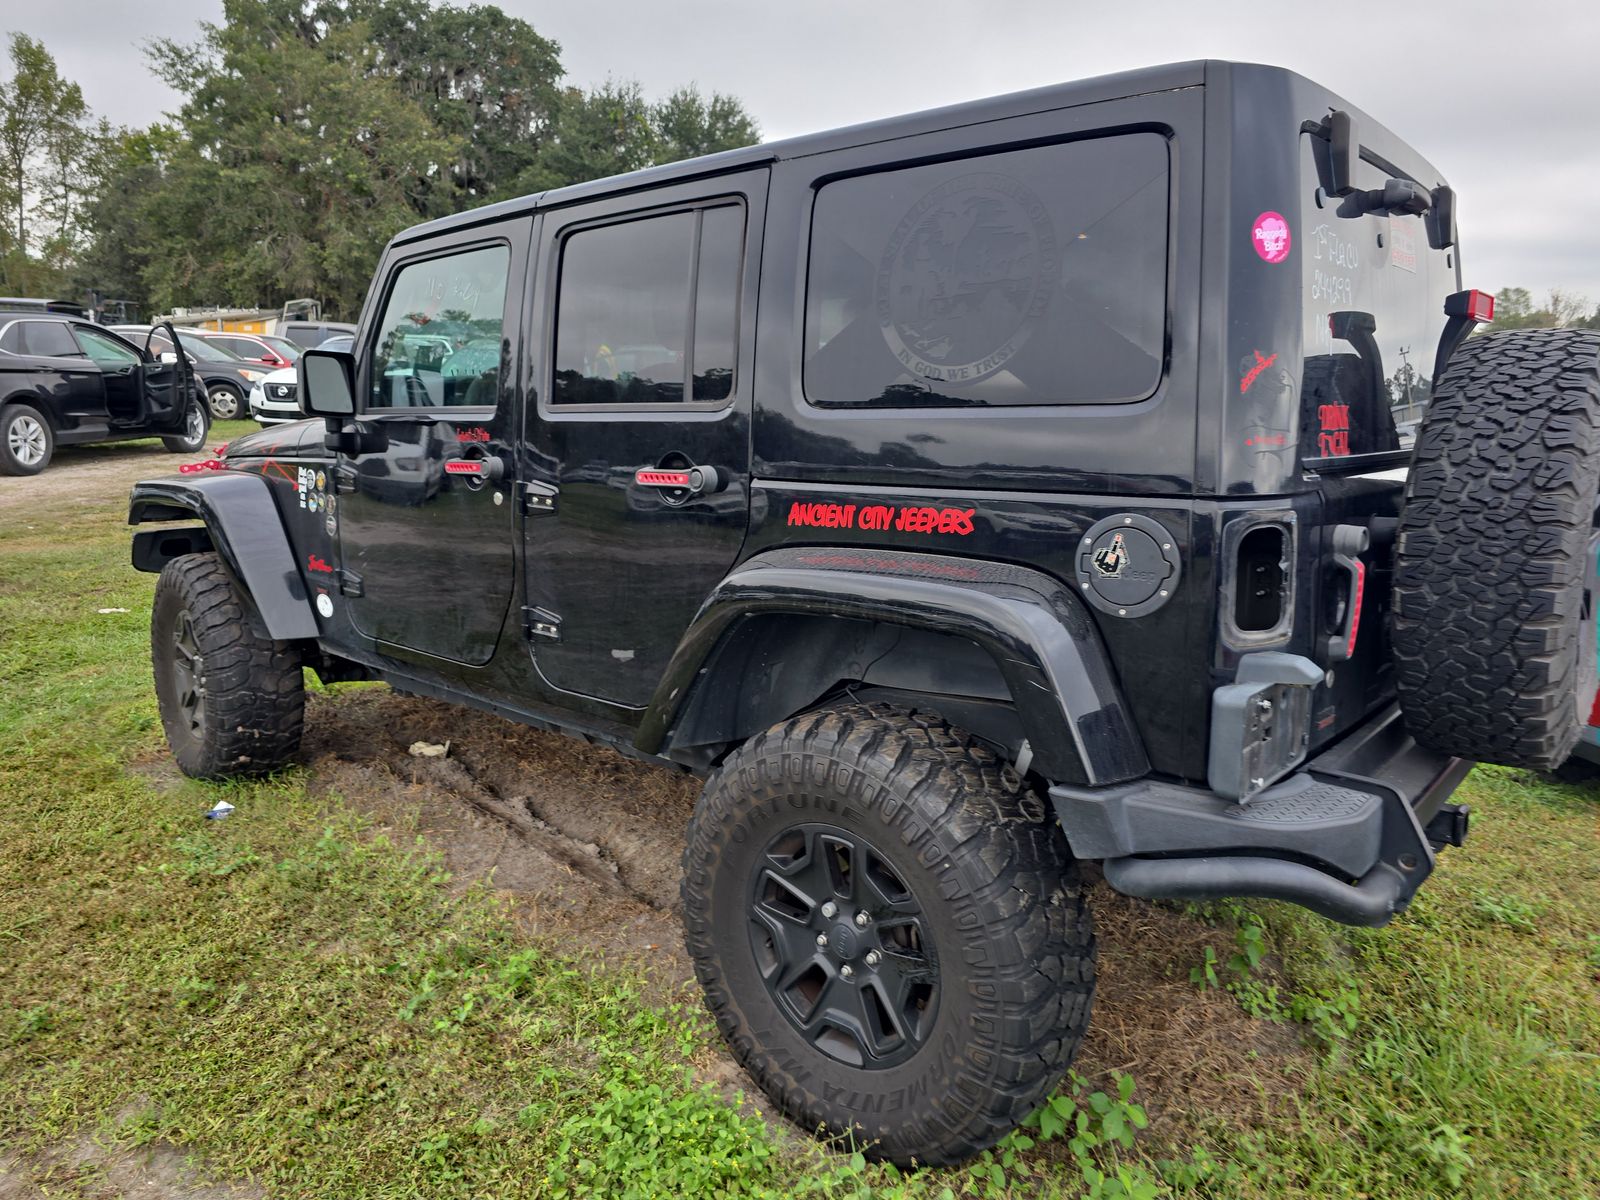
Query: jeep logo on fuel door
[967, 275]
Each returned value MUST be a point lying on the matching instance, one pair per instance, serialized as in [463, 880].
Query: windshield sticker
[1251, 369]
[1402, 245]
[1271, 237]
[911, 519]
[967, 274]
[1334, 439]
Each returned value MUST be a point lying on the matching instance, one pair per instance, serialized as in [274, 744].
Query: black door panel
[649, 306]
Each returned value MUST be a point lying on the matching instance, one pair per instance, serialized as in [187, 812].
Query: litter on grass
[429, 749]
[220, 812]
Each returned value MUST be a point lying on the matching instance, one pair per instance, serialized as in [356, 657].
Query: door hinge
[538, 498]
[350, 584]
[541, 622]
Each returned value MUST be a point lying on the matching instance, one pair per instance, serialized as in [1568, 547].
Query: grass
[294, 999]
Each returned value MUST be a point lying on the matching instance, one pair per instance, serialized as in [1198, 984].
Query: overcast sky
[1503, 98]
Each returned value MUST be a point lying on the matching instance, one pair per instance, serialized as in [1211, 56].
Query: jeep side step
[1372, 901]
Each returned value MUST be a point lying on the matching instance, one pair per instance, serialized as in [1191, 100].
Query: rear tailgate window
[1374, 310]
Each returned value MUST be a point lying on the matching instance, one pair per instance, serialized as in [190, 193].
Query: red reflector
[1594, 713]
[675, 479]
[1480, 306]
[1358, 586]
[463, 466]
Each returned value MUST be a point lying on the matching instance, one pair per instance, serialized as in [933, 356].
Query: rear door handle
[694, 480]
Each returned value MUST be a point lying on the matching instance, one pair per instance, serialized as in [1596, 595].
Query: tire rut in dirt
[1005, 908]
[1494, 653]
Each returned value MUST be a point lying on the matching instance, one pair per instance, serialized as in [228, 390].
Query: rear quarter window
[1034, 276]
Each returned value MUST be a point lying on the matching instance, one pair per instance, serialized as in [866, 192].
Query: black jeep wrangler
[1095, 473]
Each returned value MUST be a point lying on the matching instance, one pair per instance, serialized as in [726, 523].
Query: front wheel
[26, 441]
[224, 401]
[232, 700]
[891, 935]
[196, 425]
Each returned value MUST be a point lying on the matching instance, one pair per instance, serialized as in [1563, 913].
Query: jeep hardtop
[1101, 472]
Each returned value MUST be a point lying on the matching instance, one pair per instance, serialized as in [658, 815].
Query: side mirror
[169, 356]
[327, 383]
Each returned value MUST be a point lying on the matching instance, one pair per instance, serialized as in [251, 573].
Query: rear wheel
[1496, 568]
[26, 440]
[891, 936]
[232, 701]
[225, 401]
[196, 425]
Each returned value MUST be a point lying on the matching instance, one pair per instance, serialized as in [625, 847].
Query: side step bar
[1372, 901]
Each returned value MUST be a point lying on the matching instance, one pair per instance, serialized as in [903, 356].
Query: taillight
[1474, 306]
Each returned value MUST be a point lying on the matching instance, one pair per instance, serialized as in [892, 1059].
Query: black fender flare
[1039, 634]
[242, 522]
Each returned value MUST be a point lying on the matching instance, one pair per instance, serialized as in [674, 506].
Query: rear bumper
[1352, 835]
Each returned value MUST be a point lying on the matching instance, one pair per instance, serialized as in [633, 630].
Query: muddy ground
[586, 844]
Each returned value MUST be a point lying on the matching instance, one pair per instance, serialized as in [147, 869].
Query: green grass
[292, 998]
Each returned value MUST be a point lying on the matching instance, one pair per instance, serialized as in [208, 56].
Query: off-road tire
[190, 441]
[39, 429]
[225, 402]
[979, 852]
[251, 698]
[1493, 624]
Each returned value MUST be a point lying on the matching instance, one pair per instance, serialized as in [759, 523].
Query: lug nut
[822, 939]
[846, 971]
[862, 920]
[829, 908]
[872, 958]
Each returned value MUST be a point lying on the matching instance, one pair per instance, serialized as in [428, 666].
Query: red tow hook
[210, 464]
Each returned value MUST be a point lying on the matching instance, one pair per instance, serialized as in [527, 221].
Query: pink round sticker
[1271, 237]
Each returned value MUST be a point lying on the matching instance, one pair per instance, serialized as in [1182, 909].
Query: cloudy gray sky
[1503, 98]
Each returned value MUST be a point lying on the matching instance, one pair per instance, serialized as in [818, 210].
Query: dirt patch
[85, 477]
[588, 843]
[85, 1169]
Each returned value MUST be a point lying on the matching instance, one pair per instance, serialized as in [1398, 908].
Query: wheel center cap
[844, 940]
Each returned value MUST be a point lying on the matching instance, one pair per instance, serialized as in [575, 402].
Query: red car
[260, 348]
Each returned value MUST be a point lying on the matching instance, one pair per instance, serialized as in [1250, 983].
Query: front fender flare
[243, 524]
[1035, 629]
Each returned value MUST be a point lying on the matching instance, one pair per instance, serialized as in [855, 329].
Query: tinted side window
[623, 312]
[106, 351]
[11, 339]
[440, 338]
[49, 338]
[1031, 276]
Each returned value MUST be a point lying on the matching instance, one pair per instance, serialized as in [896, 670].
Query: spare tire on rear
[1495, 570]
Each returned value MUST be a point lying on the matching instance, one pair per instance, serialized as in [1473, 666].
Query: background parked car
[69, 381]
[264, 349]
[309, 334]
[226, 377]
[275, 400]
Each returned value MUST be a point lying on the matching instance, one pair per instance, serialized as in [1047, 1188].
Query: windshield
[1374, 310]
[200, 348]
[283, 346]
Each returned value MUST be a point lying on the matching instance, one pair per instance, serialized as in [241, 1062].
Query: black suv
[1095, 473]
[65, 381]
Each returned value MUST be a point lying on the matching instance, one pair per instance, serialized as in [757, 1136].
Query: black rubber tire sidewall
[1000, 892]
[1494, 658]
[182, 445]
[255, 690]
[10, 465]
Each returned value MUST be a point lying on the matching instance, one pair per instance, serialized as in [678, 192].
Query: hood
[286, 440]
[282, 375]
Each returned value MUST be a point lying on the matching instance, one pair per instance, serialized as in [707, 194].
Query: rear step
[1351, 836]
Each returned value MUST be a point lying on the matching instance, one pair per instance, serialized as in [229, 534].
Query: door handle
[694, 480]
[482, 470]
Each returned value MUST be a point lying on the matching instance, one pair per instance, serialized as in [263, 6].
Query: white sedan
[275, 399]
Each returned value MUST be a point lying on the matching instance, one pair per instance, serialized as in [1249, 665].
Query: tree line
[311, 131]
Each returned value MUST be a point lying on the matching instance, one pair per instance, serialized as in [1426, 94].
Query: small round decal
[325, 604]
[1271, 237]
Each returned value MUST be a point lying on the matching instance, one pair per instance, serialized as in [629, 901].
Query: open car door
[167, 386]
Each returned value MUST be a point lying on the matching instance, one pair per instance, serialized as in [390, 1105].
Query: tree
[44, 143]
[687, 125]
[1513, 309]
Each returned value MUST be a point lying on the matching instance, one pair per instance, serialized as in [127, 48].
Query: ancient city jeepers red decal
[475, 433]
[1334, 439]
[313, 563]
[903, 519]
[1253, 371]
